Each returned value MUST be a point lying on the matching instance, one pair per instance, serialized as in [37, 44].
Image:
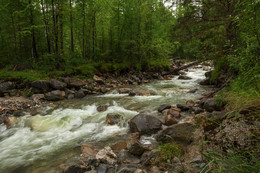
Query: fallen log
[175, 71]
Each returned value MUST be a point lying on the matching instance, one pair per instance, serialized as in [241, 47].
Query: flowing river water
[38, 144]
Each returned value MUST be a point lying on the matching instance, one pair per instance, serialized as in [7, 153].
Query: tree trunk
[46, 27]
[34, 48]
[71, 30]
[84, 32]
[61, 27]
[55, 31]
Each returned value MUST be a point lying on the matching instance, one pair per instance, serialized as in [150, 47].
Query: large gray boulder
[40, 86]
[180, 133]
[58, 85]
[145, 124]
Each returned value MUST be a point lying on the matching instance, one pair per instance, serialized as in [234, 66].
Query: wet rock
[98, 79]
[163, 107]
[40, 86]
[184, 78]
[102, 108]
[37, 97]
[124, 90]
[57, 84]
[76, 169]
[180, 133]
[89, 150]
[79, 94]
[183, 107]
[55, 95]
[134, 146]
[2, 94]
[73, 82]
[119, 146]
[125, 156]
[130, 168]
[145, 124]
[113, 119]
[170, 120]
[107, 155]
[193, 90]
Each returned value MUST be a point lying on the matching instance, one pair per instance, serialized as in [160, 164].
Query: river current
[38, 144]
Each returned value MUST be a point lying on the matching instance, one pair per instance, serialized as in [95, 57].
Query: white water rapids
[37, 141]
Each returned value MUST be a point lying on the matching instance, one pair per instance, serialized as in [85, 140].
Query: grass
[231, 162]
[168, 151]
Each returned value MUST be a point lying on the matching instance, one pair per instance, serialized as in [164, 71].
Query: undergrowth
[230, 162]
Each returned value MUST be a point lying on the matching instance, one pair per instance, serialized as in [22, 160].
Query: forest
[55, 39]
[81, 36]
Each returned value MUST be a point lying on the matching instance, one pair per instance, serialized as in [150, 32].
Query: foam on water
[37, 137]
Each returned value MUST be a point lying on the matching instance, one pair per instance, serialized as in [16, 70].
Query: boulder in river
[102, 108]
[180, 133]
[163, 107]
[184, 77]
[145, 124]
[55, 95]
[40, 86]
[124, 90]
[58, 85]
[113, 119]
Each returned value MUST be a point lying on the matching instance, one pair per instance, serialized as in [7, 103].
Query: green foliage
[168, 151]
[26, 76]
[231, 161]
[27, 93]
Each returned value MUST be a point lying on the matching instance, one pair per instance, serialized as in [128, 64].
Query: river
[38, 144]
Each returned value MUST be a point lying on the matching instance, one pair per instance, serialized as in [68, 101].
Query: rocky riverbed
[120, 132]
